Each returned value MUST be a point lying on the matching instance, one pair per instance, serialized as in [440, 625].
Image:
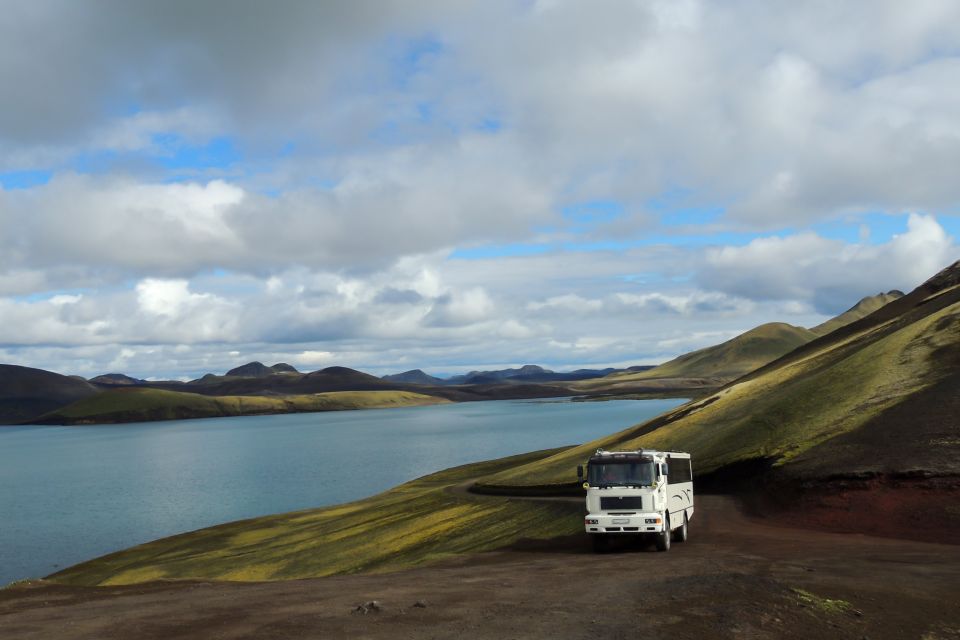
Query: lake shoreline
[151, 480]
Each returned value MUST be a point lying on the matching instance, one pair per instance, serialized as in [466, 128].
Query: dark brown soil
[735, 578]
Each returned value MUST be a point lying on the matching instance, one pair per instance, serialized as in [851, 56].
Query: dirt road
[735, 578]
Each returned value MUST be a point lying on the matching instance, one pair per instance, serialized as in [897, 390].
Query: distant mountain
[116, 380]
[530, 373]
[860, 310]
[260, 370]
[279, 382]
[414, 376]
[26, 393]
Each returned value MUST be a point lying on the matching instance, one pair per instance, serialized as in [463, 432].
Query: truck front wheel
[663, 538]
[681, 533]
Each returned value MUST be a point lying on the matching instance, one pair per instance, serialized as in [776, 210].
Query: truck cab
[638, 493]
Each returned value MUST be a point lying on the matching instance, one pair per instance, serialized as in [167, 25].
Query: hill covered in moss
[714, 366]
[146, 405]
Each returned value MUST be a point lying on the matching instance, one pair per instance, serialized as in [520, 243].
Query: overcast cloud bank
[187, 186]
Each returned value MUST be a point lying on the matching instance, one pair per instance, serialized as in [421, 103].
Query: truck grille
[620, 503]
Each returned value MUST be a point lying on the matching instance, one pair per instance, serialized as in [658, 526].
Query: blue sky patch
[593, 211]
[218, 153]
[490, 124]
[499, 251]
[25, 179]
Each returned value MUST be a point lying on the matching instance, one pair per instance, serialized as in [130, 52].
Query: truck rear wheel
[663, 538]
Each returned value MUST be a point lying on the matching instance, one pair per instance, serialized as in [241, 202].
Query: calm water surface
[68, 494]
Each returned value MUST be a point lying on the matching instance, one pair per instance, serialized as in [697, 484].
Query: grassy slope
[860, 310]
[721, 363]
[410, 524]
[141, 404]
[725, 361]
[787, 409]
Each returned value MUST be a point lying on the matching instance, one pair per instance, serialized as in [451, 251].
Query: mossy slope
[736, 356]
[860, 310]
[719, 364]
[415, 522]
[136, 404]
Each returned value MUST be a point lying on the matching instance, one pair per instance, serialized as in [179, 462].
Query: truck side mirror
[580, 472]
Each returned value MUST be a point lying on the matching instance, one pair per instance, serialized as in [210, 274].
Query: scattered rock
[420, 604]
[368, 607]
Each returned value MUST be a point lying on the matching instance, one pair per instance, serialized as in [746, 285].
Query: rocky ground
[737, 577]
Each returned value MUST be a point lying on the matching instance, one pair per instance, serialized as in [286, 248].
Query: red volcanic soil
[737, 577]
[925, 509]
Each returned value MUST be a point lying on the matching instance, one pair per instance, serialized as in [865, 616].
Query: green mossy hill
[418, 521]
[715, 366]
[144, 405]
[860, 310]
[849, 381]
[722, 362]
[26, 393]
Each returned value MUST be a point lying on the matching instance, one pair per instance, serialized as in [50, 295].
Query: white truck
[638, 493]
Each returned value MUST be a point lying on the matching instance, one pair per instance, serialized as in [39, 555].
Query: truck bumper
[631, 524]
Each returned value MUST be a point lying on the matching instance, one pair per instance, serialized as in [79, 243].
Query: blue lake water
[68, 494]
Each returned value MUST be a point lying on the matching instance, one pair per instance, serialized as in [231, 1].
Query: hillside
[719, 364]
[145, 405]
[736, 356]
[35, 396]
[860, 310]
[26, 393]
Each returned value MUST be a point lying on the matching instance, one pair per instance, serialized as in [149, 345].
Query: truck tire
[663, 538]
[681, 533]
[601, 543]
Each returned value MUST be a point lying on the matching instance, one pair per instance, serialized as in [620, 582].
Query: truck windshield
[620, 474]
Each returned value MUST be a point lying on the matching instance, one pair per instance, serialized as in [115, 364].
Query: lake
[68, 494]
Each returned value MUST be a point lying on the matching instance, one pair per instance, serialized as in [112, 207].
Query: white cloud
[168, 298]
[570, 302]
[829, 273]
[314, 358]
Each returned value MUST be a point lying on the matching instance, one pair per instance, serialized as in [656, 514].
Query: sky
[189, 186]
